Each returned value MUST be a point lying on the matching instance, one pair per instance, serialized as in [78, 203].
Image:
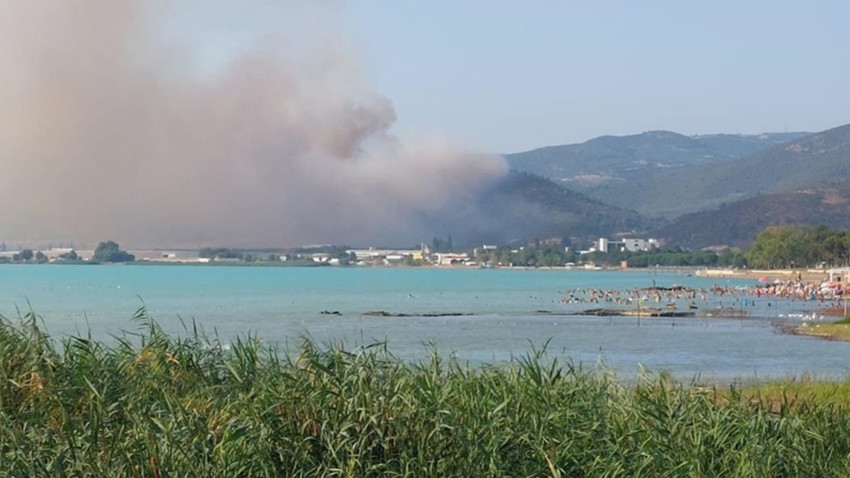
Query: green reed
[155, 405]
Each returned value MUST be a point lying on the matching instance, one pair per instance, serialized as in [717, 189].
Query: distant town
[775, 247]
[550, 252]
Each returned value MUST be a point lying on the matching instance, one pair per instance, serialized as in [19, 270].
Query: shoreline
[834, 331]
[756, 274]
[694, 271]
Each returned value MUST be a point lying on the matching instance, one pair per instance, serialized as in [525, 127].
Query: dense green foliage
[109, 251]
[219, 253]
[778, 247]
[152, 405]
[24, 255]
[539, 256]
[70, 256]
[670, 257]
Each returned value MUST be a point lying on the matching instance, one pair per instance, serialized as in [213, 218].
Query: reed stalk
[150, 404]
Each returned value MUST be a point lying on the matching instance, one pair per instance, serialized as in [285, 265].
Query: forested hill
[524, 206]
[739, 223]
[600, 165]
[739, 197]
[807, 162]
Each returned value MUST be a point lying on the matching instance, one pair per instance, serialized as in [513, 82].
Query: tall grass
[155, 405]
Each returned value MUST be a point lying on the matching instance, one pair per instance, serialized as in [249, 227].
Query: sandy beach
[807, 275]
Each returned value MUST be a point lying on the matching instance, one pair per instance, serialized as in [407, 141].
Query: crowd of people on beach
[628, 296]
[801, 290]
[717, 295]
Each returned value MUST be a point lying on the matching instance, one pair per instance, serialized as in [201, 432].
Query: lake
[503, 314]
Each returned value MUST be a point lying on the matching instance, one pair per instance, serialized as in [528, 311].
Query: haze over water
[283, 305]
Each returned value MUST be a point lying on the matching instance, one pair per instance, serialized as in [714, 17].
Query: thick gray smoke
[105, 132]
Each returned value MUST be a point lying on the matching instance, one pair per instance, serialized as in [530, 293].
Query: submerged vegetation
[156, 405]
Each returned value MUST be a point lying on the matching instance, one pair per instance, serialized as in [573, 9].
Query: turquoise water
[283, 305]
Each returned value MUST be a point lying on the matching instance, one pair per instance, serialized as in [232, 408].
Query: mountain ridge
[710, 197]
[659, 145]
[524, 206]
[805, 162]
[737, 224]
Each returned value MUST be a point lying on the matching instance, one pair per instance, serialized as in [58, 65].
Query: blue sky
[506, 76]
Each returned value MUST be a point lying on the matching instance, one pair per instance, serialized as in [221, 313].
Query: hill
[524, 207]
[738, 224]
[601, 166]
[803, 163]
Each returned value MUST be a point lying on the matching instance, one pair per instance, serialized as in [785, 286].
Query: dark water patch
[384, 313]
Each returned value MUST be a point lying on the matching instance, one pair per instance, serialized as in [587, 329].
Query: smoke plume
[111, 130]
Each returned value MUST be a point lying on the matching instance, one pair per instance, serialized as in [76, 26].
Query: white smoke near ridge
[104, 135]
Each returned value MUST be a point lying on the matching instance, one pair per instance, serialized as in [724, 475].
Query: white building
[627, 244]
[385, 256]
[451, 258]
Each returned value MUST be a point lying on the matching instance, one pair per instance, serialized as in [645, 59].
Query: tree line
[531, 256]
[108, 251]
[790, 247]
[674, 257]
[774, 247]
